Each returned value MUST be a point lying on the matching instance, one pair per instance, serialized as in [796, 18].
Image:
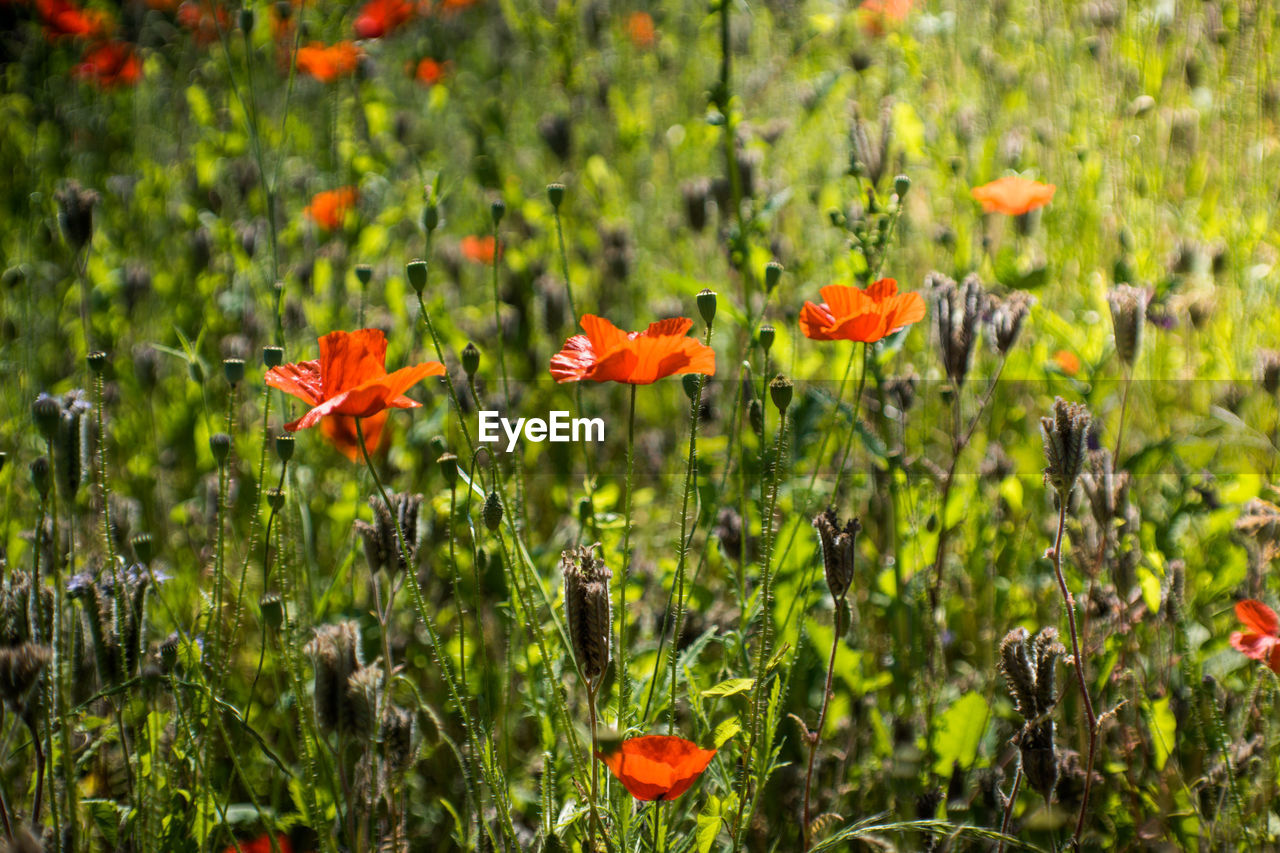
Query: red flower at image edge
[850, 314]
[262, 844]
[657, 767]
[1262, 640]
[350, 381]
[608, 354]
[111, 64]
[379, 17]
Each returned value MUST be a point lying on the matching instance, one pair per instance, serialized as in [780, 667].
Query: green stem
[624, 686]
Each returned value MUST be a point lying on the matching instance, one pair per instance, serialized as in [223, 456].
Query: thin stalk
[1124, 406]
[816, 737]
[435, 341]
[1008, 808]
[624, 685]
[592, 690]
[853, 422]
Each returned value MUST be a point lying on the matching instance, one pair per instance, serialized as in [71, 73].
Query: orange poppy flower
[349, 381]
[262, 844]
[1067, 361]
[379, 17]
[850, 314]
[111, 64]
[329, 209]
[1013, 195]
[428, 72]
[657, 767]
[478, 249]
[1262, 640]
[327, 63]
[63, 18]
[608, 354]
[640, 29]
[878, 16]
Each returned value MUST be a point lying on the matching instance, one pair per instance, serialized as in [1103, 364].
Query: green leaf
[708, 825]
[1164, 728]
[727, 730]
[730, 687]
[959, 732]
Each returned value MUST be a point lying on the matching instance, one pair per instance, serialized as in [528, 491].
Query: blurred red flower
[429, 72]
[327, 63]
[329, 209]
[878, 16]
[850, 314]
[1013, 195]
[349, 381]
[657, 767]
[262, 844]
[608, 354]
[63, 18]
[110, 64]
[379, 17]
[1067, 361]
[478, 249]
[204, 20]
[640, 29]
[1262, 640]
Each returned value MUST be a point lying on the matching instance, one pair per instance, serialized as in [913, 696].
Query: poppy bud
[46, 412]
[470, 360]
[448, 463]
[766, 336]
[272, 356]
[220, 445]
[692, 383]
[587, 608]
[707, 305]
[40, 475]
[143, 547]
[772, 275]
[246, 20]
[585, 510]
[417, 272]
[272, 610]
[233, 370]
[497, 210]
[901, 184]
[555, 194]
[492, 511]
[431, 216]
[97, 362]
[275, 498]
[755, 416]
[284, 447]
[364, 274]
[439, 445]
[780, 390]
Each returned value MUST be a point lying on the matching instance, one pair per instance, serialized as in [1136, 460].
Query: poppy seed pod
[41, 475]
[555, 195]
[233, 370]
[492, 512]
[272, 610]
[97, 362]
[587, 608]
[838, 550]
[1128, 313]
[220, 446]
[246, 20]
[470, 360]
[75, 213]
[46, 413]
[780, 390]
[497, 210]
[416, 270]
[1064, 444]
[275, 498]
[364, 274]
[765, 337]
[272, 356]
[901, 184]
[772, 275]
[448, 463]
[755, 416]
[143, 547]
[285, 444]
[707, 305]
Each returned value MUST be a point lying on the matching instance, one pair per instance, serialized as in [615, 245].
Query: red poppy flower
[850, 314]
[329, 209]
[428, 72]
[478, 249]
[878, 16]
[262, 844]
[63, 18]
[608, 354]
[327, 63]
[657, 767]
[111, 64]
[204, 20]
[1013, 195]
[379, 17]
[640, 29]
[1262, 640]
[349, 381]
[1067, 361]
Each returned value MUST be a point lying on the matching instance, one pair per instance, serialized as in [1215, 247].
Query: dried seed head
[1029, 669]
[24, 841]
[838, 550]
[1065, 437]
[1018, 673]
[1128, 313]
[587, 608]
[75, 213]
[1269, 370]
[20, 667]
[363, 688]
[335, 651]
[381, 543]
[1046, 651]
[397, 734]
[957, 318]
[1006, 318]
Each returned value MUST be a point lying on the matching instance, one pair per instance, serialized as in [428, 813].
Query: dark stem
[1008, 808]
[816, 737]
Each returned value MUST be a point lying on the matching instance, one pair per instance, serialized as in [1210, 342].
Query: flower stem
[816, 737]
[624, 686]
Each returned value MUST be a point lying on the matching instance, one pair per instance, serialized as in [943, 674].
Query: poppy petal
[302, 380]
[1258, 617]
[603, 335]
[670, 327]
[816, 322]
[905, 309]
[340, 431]
[575, 361]
[842, 301]
[348, 360]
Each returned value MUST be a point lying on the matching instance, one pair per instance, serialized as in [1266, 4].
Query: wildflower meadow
[603, 426]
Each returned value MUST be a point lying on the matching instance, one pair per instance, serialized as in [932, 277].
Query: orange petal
[603, 335]
[1258, 617]
[882, 289]
[575, 361]
[348, 360]
[904, 309]
[302, 380]
[843, 301]
[816, 322]
[340, 430]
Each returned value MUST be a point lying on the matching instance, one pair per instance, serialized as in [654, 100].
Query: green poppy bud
[417, 272]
